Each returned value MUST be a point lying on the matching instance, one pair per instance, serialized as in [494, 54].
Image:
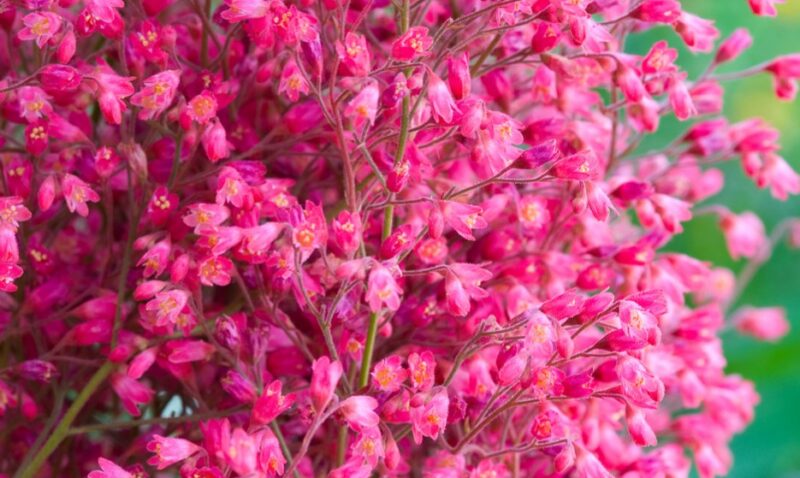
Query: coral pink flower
[657, 11]
[382, 289]
[215, 141]
[112, 89]
[346, 230]
[442, 102]
[215, 270]
[370, 446]
[40, 26]
[463, 218]
[293, 84]
[639, 385]
[34, 103]
[131, 392]
[358, 411]
[388, 375]
[240, 10]
[412, 44]
[762, 323]
[739, 41]
[324, 379]
[744, 234]
[157, 95]
[429, 418]
[422, 370]
[354, 54]
[202, 107]
[271, 404]
[458, 76]
[169, 451]
[167, 306]
[364, 106]
[699, 34]
[109, 470]
[765, 7]
[77, 193]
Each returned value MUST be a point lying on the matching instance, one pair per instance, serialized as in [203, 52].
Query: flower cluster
[262, 238]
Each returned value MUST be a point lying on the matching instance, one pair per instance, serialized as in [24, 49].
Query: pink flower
[765, 7]
[739, 41]
[34, 103]
[215, 270]
[422, 370]
[77, 193]
[388, 375]
[657, 11]
[215, 141]
[157, 95]
[347, 230]
[271, 404]
[429, 418]
[12, 212]
[698, 34]
[382, 289]
[324, 379]
[109, 470]
[293, 84]
[167, 306]
[639, 385]
[458, 76]
[442, 102]
[354, 54]
[463, 218]
[240, 10]
[462, 283]
[744, 234]
[169, 451]
[202, 107]
[369, 446]
[412, 44]
[40, 26]
[131, 392]
[358, 411]
[364, 106]
[767, 323]
[112, 89]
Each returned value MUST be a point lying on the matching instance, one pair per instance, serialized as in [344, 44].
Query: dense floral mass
[354, 238]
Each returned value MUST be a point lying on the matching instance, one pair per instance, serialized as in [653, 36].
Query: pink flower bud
[324, 379]
[546, 36]
[47, 193]
[59, 78]
[762, 323]
[458, 75]
[739, 41]
[657, 11]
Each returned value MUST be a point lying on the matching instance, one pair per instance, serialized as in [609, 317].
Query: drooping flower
[169, 451]
[40, 27]
[157, 95]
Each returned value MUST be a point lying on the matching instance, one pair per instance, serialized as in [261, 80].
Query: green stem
[341, 449]
[62, 429]
[282, 442]
[369, 349]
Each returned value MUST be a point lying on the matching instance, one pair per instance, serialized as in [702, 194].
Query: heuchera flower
[168, 451]
[157, 95]
[360, 238]
[412, 44]
[40, 27]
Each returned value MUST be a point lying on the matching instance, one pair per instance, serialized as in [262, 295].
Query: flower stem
[369, 349]
[62, 429]
[282, 442]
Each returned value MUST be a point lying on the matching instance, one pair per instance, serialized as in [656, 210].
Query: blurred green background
[771, 446]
